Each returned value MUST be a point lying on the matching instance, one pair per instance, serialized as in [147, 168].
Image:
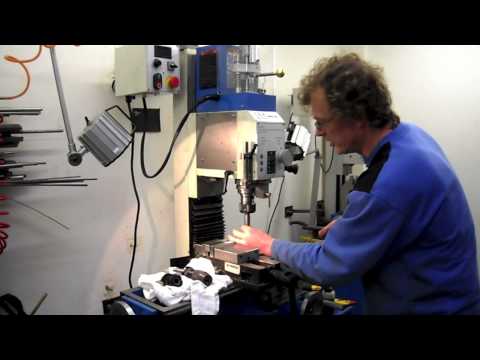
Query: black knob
[292, 168]
[157, 63]
[171, 66]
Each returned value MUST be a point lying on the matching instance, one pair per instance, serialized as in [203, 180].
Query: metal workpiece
[229, 252]
[267, 261]
[226, 251]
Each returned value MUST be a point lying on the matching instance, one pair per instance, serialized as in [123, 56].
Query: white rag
[204, 299]
[166, 294]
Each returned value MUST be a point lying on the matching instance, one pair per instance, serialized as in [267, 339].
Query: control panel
[146, 69]
[270, 131]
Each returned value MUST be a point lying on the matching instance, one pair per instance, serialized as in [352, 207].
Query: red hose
[3, 225]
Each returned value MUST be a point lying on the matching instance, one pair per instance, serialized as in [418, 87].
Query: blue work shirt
[407, 231]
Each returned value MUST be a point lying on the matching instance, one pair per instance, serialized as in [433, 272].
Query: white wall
[74, 266]
[437, 88]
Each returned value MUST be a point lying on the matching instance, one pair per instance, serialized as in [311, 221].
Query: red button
[173, 82]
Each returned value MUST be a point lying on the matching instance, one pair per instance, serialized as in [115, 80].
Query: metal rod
[19, 183]
[57, 180]
[266, 74]
[279, 74]
[247, 219]
[300, 211]
[44, 296]
[41, 213]
[71, 143]
[40, 131]
[20, 111]
[315, 183]
[22, 164]
[14, 177]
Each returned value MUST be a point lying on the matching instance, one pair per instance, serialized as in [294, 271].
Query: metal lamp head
[105, 138]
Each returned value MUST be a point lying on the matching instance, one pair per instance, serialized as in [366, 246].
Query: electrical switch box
[147, 69]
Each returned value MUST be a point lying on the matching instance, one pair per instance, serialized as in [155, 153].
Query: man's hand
[252, 238]
[323, 232]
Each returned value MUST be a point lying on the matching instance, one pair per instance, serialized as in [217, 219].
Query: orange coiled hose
[22, 63]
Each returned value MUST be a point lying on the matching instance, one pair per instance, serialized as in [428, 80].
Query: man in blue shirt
[407, 231]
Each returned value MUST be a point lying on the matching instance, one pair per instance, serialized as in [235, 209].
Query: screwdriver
[17, 129]
[20, 111]
[11, 176]
[10, 141]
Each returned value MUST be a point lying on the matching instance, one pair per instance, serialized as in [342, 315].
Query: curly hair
[354, 88]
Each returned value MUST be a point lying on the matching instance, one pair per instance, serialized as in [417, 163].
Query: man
[407, 230]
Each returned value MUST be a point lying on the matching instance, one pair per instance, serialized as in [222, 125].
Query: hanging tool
[13, 164]
[7, 153]
[7, 129]
[56, 180]
[20, 111]
[3, 234]
[42, 299]
[59, 181]
[10, 141]
[10, 176]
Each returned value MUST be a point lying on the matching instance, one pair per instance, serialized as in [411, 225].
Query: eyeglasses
[321, 124]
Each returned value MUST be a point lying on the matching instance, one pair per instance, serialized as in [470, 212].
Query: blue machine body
[139, 307]
[231, 303]
[214, 77]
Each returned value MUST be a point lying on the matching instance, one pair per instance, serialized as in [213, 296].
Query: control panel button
[157, 81]
[171, 66]
[157, 63]
[173, 82]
